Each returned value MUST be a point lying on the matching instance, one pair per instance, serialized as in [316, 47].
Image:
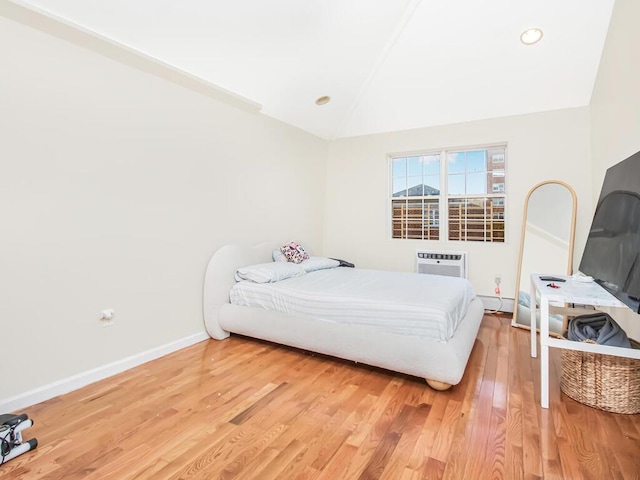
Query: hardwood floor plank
[530, 429]
[389, 442]
[444, 438]
[627, 458]
[549, 448]
[258, 405]
[457, 460]
[252, 460]
[408, 474]
[494, 461]
[434, 469]
[426, 438]
[475, 466]
[275, 467]
[340, 463]
[128, 461]
[362, 430]
[361, 454]
[248, 409]
[582, 443]
[514, 462]
[462, 437]
[401, 455]
[305, 433]
[474, 381]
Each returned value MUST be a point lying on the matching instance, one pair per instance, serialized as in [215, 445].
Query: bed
[439, 354]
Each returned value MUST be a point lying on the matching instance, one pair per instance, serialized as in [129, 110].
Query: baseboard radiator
[451, 264]
[494, 304]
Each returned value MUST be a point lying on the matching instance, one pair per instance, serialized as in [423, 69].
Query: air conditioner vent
[451, 264]
[441, 256]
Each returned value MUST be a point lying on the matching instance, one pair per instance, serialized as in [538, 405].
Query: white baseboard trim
[80, 380]
[494, 303]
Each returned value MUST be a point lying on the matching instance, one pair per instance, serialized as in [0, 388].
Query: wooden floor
[244, 409]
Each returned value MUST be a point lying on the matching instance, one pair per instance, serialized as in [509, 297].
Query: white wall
[552, 145]
[115, 188]
[615, 109]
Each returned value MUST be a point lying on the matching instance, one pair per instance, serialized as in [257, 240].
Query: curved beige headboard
[219, 278]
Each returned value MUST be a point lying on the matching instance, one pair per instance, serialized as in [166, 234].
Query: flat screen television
[612, 252]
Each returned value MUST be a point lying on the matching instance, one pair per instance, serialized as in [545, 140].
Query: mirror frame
[572, 232]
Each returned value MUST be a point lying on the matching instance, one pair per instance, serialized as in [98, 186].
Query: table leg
[544, 351]
[533, 322]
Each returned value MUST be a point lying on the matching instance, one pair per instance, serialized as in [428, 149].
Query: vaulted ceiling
[386, 64]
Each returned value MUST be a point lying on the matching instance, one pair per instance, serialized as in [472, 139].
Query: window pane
[431, 220]
[477, 161]
[476, 183]
[431, 164]
[399, 187]
[456, 162]
[399, 167]
[456, 185]
[414, 219]
[398, 211]
[496, 205]
[414, 166]
[414, 185]
[432, 213]
[432, 185]
[476, 219]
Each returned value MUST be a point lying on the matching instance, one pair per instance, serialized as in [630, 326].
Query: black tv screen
[612, 252]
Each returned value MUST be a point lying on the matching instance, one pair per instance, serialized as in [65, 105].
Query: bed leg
[436, 385]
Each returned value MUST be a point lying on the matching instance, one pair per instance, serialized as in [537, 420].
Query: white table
[570, 291]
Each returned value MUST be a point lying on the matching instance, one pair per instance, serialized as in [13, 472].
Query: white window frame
[444, 197]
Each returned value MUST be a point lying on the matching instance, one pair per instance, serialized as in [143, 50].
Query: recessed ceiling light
[323, 100]
[531, 36]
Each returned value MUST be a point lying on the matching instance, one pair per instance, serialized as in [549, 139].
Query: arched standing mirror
[546, 246]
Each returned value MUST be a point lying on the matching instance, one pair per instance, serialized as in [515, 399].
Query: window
[459, 198]
[415, 199]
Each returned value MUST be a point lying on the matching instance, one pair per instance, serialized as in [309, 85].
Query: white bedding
[428, 306]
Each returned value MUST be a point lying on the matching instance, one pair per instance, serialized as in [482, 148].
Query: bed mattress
[423, 305]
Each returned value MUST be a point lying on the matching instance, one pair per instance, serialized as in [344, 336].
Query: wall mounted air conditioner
[451, 264]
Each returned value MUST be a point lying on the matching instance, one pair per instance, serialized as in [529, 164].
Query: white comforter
[407, 303]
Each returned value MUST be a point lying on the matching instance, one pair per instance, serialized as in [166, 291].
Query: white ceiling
[387, 64]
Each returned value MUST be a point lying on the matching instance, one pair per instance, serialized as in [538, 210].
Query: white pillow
[318, 263]
[278, 256]
[269, 272]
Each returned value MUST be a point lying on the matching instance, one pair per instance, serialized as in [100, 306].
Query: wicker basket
[605, 382]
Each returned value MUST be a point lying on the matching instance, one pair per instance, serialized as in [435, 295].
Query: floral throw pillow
[294, 252]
